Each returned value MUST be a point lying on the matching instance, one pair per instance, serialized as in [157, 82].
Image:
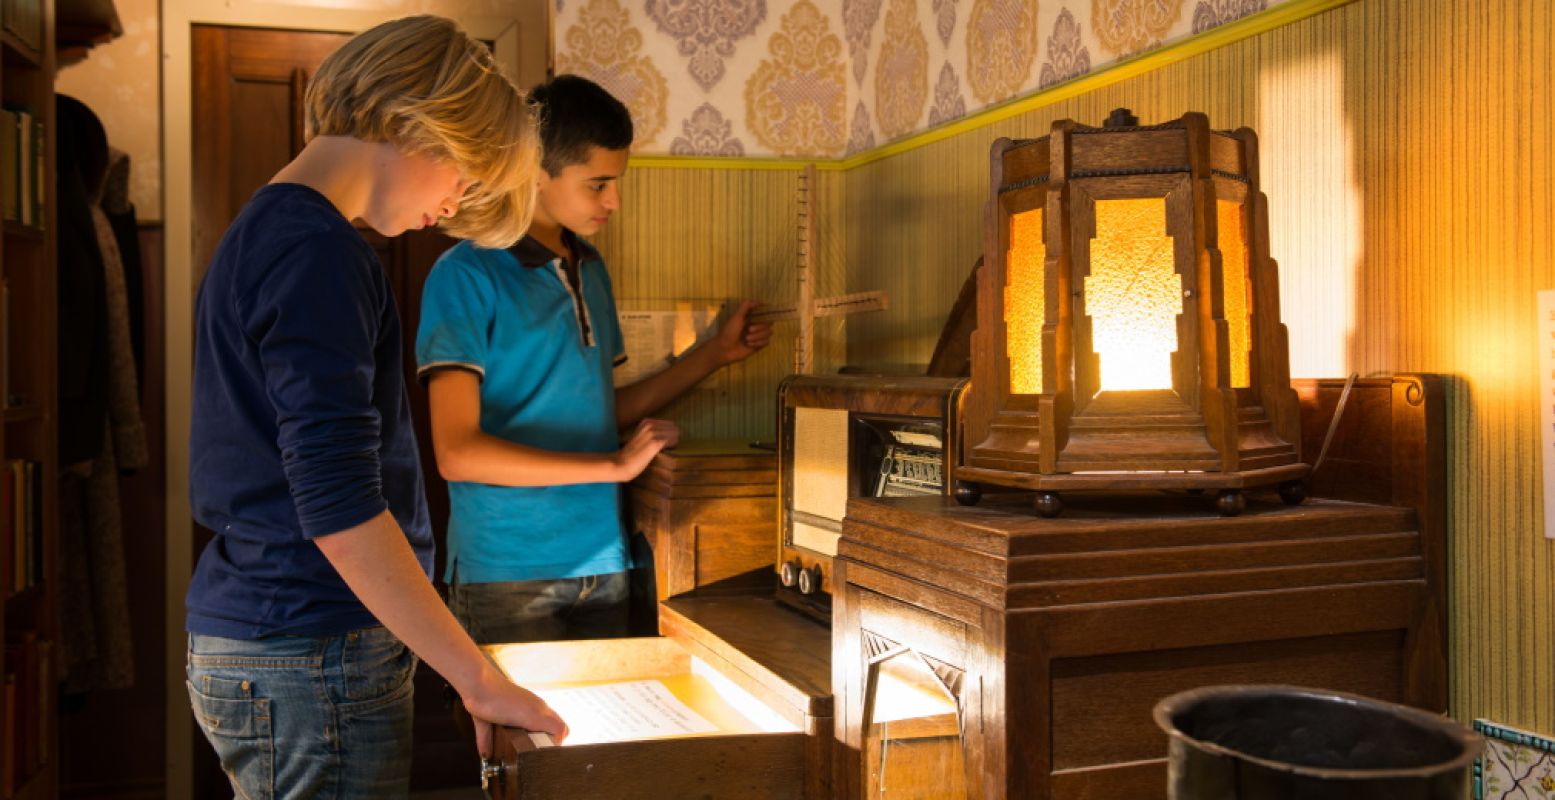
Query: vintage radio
[847, 436]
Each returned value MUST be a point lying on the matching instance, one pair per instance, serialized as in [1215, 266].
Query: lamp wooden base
[1048, 502]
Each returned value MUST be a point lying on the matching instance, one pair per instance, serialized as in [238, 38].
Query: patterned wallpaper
[830, 78]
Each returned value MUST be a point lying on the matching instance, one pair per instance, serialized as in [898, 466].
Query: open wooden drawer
[702, 719]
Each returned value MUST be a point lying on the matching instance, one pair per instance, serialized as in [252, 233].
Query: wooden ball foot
[1048, 504]
[1230, 502]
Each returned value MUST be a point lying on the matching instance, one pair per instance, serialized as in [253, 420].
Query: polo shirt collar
[531, 253]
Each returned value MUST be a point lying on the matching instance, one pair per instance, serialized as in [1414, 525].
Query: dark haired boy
[518, 347]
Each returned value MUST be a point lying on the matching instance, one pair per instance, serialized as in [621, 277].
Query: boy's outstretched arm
[738, 339]
[464, 452]
[376, 562]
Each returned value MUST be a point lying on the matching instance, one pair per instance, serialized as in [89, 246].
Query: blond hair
[426, 87]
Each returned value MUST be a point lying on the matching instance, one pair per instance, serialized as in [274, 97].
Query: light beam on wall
[1315, 223]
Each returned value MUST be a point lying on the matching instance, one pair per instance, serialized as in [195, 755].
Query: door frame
[178, 20]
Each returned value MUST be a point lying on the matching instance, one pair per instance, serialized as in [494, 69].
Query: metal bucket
[1277, 742]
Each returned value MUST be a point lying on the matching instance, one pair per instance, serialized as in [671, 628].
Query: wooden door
[248, 86]
[248, 123]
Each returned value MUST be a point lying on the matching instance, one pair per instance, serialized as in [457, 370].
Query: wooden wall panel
[1407, 156]
[725, 234]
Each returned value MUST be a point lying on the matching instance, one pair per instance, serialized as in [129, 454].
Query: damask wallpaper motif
[705, 31]
[1001, 44]
[858, 19]
[1066, 54]
[1127, 27]
[861, 135]
[604, 46]
[901, 76]
[1214, 13]
[828, 78]
[948, 102]
[794, 104]
[706, 133]
[945, 19]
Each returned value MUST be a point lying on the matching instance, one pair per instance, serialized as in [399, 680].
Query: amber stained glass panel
[1024, 301]
[1133, 294]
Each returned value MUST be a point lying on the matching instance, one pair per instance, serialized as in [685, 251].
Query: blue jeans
[590, 607]
[305, 717]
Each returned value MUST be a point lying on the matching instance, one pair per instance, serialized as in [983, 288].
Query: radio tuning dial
[789, 574]
[810, 579]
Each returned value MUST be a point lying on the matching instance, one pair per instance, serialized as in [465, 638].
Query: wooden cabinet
[29, 548]
[1017, 656]
[985, 652]
[755, 670]
[708, 510]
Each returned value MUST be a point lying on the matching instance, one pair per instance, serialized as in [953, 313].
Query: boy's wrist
[616, 468]
[481, 681]
[713, 355]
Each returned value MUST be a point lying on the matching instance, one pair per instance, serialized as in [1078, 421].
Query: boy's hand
[651, 436]
[739, 338]
[501, 702]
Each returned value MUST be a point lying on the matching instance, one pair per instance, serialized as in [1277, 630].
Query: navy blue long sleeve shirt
[301, 423]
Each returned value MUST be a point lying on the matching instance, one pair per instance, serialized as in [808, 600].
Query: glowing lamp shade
[1128, 319]
[1023, 302]
[1133, 295]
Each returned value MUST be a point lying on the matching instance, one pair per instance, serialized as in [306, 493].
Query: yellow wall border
[1252, 25]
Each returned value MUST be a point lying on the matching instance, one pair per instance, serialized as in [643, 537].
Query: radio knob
[789, 574]
[810, 580]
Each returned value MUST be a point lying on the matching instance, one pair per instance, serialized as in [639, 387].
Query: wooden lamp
[1128, 332]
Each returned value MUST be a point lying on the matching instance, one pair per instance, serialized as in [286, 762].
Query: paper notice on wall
[617, 712]
[654, 339]
[1547, 403]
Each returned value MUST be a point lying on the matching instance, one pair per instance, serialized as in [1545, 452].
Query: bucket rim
[1473, 742]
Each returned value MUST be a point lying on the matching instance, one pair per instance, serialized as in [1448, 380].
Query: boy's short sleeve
[457, 304]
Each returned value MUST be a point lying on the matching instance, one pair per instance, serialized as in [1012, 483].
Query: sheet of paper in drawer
[615, 712]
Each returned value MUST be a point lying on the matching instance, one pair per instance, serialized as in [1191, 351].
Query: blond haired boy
[302, 456]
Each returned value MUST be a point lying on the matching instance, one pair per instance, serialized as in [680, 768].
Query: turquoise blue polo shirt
[545, 344]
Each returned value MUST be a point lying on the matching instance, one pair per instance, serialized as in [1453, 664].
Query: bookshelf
[29, 468]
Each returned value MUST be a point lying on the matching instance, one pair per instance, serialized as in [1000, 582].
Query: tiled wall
[1516, 764]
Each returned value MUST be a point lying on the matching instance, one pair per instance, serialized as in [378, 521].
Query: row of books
[24, 19]
[21, 525]
[28, 676]
[21, 166]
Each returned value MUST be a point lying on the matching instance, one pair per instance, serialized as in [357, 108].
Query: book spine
[39, 170]
[10, 165]
[7, 532]
[25, 162]
[35, 521]
[19, 522]
[5, 344]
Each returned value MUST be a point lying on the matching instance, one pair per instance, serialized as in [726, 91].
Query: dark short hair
[576, 115]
